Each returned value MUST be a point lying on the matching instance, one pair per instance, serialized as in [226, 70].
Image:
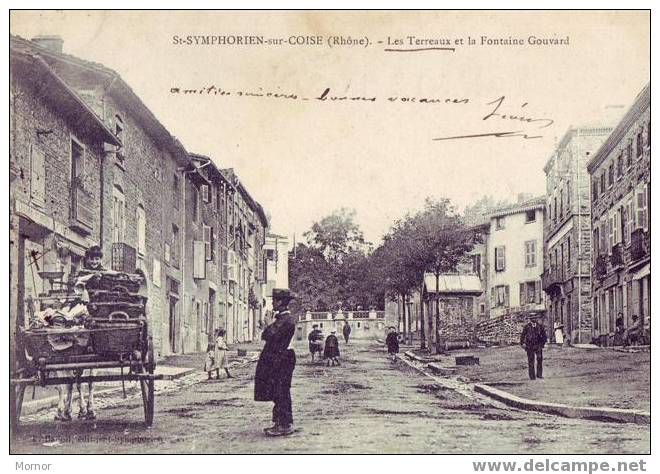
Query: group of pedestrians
[330, 347]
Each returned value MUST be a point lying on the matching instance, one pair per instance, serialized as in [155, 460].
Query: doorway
[173, 324]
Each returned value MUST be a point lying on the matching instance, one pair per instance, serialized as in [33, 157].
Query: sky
[304, 157]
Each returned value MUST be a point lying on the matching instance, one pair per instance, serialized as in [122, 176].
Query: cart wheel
[16, 405]
[147, 387]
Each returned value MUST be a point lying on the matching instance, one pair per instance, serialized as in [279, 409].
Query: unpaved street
[368, 405]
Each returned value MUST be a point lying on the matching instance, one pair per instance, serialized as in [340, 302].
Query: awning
[642, 272]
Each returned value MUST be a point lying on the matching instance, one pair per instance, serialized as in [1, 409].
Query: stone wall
[502, 330]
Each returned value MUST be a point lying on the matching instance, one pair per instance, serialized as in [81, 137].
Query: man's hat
[315, 325]
[283, 294]
[94, 251]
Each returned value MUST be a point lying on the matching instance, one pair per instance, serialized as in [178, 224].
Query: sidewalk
[595, 377]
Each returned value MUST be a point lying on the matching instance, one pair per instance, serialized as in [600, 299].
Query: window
[594, 191]
[619, 165]
[602, 183]
[175, 246]
[476, 264]
[596, 244]
[622, 224]
[175, 191]
[641, 205]
[499, 223]
[610, 175]
[530, 253]
[561, 203]
[118, 215]
[629, 150]
[205, 193]
[195, 203]
[482, 308]
[141, 219]
[640, 144]
[568, 196]
[500, 259]
[648, 134]
[530, 292]
[208, 241]
[554, 216]
[630, 218]
[530, 216]
[616, 223]
[37, 176]
[610, 233]
[119, 133]
[500, 295]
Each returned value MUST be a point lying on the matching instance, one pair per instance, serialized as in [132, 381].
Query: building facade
[515, 243]
[91, 165]
[567, 232]
[620, 176]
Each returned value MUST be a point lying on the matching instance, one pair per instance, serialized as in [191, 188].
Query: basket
[117, 338]
[111, 281]
[39, 343]
[117, 311]
[106, 296]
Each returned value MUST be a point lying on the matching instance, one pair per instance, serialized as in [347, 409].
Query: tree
[334, 266]
[337, 235]
[443, 242]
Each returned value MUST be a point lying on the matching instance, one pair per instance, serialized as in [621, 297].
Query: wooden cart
[117, 335]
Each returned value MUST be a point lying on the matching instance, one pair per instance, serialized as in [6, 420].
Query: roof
[588, 129]
[642, 102]
[531, 204]
[73, 107]
[452, 283]
[117, 87]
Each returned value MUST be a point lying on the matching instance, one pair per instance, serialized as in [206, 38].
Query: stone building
[620, 174]
[92, 165]
[567, 232]
[456, 295]
[57, 150]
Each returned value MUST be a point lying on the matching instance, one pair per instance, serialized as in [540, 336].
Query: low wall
[502, 330]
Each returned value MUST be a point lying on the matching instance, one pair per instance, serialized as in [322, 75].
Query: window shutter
[206, 231]
[523, 294]
[503, 252]
[493, 298]
[537, 291]
[199, 259]
[167, 253]
[205, 193]
[37, 176]
[506, 295]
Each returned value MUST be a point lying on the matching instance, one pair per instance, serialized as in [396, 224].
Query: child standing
[216, 356]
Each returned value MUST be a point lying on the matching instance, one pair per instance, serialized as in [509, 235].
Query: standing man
[276, 363]
[532, 339]
[346, 330]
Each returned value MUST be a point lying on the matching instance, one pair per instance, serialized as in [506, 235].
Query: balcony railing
[551, 278]
[640, 244]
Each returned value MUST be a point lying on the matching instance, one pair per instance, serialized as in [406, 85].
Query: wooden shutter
[523, 294]
[199, 259]
[37, 176]
[506, 295]
[537, 291]
[493, 297]
[206, 230]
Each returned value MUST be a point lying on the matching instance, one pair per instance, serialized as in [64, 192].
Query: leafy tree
[337, 235]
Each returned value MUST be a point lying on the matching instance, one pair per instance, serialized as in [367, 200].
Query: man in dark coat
[315, 339]
[276, 363]
[331, 351]
[346, 330]
[532, 339]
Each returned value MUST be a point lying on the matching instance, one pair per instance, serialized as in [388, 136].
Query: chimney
[52, 43]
